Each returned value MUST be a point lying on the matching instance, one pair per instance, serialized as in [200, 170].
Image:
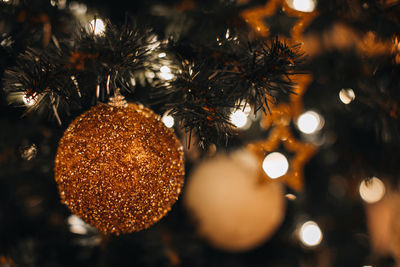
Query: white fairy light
[310, 122]
[304, 5]
[97, 26]
[347, 95]
[275, 165]
[310, 234]
[168, 120]
[372, 190]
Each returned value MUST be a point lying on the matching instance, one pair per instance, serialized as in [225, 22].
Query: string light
[310, 122]
[304, 5]
[28, 100]
[290, 196]
[97, 26]
[238, 118]
[77, 226]
[347, 95]
[310, 234]
[275, 165]
[372, 190]
[29, 152]
[165, 73]
[168, 120]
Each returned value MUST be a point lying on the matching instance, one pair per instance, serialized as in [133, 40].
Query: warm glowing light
[28, 100]
[149, 74]
[347, 95]
[165, 73]
[239, 118]
[165, 69]
[77, 226]
[166, 76]
[78, 8]
[304, 5]
[309, 122]
[29, 152]
[290, 196]
[168, 120]
[310, 234]
[98, 26]
[161, 55]
[275, 165]
[372, 190]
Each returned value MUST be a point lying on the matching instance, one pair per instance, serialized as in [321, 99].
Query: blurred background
[312, 182]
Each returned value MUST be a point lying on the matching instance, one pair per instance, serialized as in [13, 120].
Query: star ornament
[294, 176]
[267, 19]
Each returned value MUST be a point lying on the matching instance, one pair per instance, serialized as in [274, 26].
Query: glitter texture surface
[119, 169]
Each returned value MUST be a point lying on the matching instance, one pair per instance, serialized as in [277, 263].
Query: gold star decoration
[303, 152]
[279, 120]
[280, 116]
[257, 17]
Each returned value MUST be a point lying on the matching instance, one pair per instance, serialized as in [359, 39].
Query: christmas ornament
[298, 20]
[119, 168]
[280, 117]
[303, 152]
[278, 120]
[383, 225]
[234, 209]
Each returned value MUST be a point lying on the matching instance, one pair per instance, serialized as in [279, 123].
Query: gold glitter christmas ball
[119, 168]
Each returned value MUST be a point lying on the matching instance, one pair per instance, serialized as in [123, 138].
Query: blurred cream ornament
[235, 209]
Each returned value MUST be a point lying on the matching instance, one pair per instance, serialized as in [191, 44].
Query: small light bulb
[28, 100]
[309, 122]
[239, 118]
[372, 190]
[304, 5]
[98, 26]
[275, 165]
[310, 234]
[168, 120]
[165, 69]
[347, 95]
[76, 225]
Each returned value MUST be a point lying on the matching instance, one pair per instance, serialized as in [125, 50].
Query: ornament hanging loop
[118, 100]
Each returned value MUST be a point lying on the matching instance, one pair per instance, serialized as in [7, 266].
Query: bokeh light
[168, 120]
[275, 165]
[29, 152]
[347, 95]
[238, 118]
[310, 234]
[302, 5]
[97, 26]
[28, 100]
[372, 190]
[165, 73]
[76, 225]
[310, 122]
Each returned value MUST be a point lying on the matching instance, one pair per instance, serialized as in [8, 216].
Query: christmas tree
[199, 133]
